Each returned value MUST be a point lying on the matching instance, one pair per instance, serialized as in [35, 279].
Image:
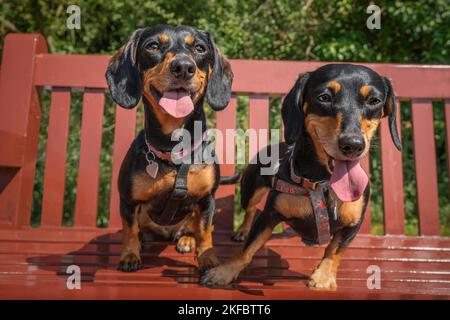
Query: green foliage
[411, 31]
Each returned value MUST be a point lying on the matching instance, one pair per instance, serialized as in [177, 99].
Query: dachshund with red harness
[320, 190]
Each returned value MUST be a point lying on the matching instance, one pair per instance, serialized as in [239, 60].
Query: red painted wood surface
[447, 137]
[32, 260]
[392, 178]
[124, 133]
[256, 76]
[258, 121]
[55, 158]
[86, 204]
[20, 116]
[226, 119]
[411, 268]
[425, 162]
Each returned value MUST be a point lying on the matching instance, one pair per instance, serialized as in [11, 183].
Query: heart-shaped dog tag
[152, 169]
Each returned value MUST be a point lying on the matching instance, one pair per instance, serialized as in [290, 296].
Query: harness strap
[286, 187]
[320, 209]
[318, 203]
[178, 195]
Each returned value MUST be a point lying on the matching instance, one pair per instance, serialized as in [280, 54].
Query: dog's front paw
[218, 276]
[185, 244]
[240, 235]
[129, 263]
[206, 261]
[322, 279]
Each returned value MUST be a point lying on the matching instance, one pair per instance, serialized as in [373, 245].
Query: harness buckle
[179, 193]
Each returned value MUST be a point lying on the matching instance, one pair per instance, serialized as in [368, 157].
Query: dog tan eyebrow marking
[164, 37]
[189, 39]
[365, 90]
[335, 86]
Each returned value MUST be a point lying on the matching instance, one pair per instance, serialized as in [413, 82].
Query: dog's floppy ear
[218, 91]
[390, 110]
[123, 76]
[292, 110]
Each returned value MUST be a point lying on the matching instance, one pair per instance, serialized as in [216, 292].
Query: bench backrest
[26, 66]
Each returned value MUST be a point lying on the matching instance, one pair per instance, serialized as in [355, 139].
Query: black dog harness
[316, 191]
[180, 188]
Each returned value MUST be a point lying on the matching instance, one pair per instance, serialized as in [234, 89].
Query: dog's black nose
[182, 68]
[352, 145]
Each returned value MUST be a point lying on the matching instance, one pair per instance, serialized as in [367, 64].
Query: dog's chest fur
[299, 213]
[200, 181]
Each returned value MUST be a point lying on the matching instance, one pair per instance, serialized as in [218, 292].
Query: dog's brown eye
[374, 101]
[324, 98]
[153, 46]
[199, 48]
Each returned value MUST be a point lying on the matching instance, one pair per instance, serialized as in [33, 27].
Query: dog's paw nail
[129, 263]
[239, 236]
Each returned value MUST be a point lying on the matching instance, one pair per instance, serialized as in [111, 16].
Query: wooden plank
[447, 135]
[12, 149]
[392, 177]
[426, 172]
[20, 114]
[250, 76]
[55, 160]
[366, 226]
[124, 133]
[226, 119]
[259, 121]
[89, 168]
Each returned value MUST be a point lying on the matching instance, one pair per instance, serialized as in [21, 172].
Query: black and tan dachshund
[172, 69]
[330, 117]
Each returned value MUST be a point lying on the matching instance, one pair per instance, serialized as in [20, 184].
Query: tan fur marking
[350, 212]
[164, 37]
[189, 40]
[200, 182]
[369, 127]
[324, 276]
[130, 237]
[293, 206]
[324, 132]
[365, 90]
[335, 86]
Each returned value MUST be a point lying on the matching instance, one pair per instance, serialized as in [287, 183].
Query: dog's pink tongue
[348, 180]
[177, 103]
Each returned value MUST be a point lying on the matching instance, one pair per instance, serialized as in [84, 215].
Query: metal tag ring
[150, 160]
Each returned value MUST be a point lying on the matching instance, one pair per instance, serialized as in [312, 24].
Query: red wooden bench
[33, 261]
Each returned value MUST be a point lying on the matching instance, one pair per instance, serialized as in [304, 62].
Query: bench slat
[258, 119]
[226, 119]
[447, 130]
[55, 161]
[124, 133]
[256, 76]
[392, 177]
[426, 173]
[86, 205]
